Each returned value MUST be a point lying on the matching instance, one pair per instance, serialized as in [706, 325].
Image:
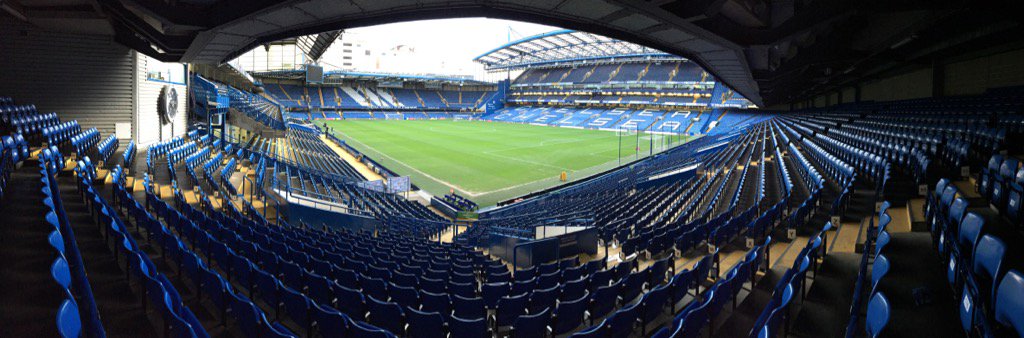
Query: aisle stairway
[122, 312]
[29, 309]
[26, 259]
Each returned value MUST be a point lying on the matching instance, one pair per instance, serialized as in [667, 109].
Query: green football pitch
[492, 161]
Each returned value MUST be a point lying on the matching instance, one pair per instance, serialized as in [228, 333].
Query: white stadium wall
[146, 117]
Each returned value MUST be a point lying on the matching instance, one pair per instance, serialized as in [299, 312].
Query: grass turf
[491, 161]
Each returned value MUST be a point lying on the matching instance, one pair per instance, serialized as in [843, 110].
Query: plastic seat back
[386, 315]
[970, 231]
[424, 324]
[569, 314]
[467, 307]
[653, 303]
[469, 328]
[436, 302]
[881, 242]
[596, 331]
[69, 323]
[509, 308]
[877, 315]
[365, 330]
[329, 322]
[532, 325]
[878, 270]
[988, 260]
[1009, 307]
[621, 323]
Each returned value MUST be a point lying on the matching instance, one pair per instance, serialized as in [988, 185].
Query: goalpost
[634, 144]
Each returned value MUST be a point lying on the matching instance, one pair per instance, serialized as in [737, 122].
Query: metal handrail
[331, 206]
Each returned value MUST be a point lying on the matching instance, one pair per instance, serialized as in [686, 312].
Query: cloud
[447, 46]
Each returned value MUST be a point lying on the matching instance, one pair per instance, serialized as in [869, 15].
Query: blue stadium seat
[623, 321]
[351, 302]
[774, 313]
[362, 329]
[297, 306]
[878, 314]
[594, 331]
[878, 271]
[532, 325]
[680, 286]
[547, 281]
[604, 301]
[273, 330]
[246, 314]
[469, 328]
[1009, 305]
[979, 288]
[508, 309]
[988, 174]
[525, 274]
[544, 298]
[61, 273]
[948, 226]
[600, 279]
[632, 286]
[499, 277]
[970, 231]
[653, 305]
[385, 315]
[424, 324]
[329, 322]
[465, 290]
[69, 324]
[468, 307]
[569, 315]
[880, 243]
[691, 321]
[405, 296]
[573, 288]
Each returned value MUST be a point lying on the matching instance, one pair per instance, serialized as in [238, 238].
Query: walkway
[364, 170]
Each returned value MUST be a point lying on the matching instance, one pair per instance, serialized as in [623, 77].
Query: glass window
[165, 71]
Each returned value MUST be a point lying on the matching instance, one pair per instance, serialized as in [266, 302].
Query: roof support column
[938, 78]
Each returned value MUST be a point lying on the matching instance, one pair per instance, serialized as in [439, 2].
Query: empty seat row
[77, 314]
[33, 124]
[60, 133]
[178, 320]
[1002, 183]
[159, 149]
[107, 147]
[16, 146]
[83, 143]
[983, 254]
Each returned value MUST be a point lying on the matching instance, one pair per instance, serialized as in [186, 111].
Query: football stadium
[509, 168]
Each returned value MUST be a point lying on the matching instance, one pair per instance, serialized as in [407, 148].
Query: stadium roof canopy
[300, 74]
[562, 46]
[769, 51]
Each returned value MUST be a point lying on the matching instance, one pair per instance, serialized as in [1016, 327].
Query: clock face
[172, 102]
[168, 105]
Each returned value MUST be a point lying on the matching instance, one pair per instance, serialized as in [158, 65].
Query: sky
[448, 46]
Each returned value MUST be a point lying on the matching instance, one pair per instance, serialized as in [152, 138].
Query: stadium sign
[167, 104]
[375, 185]
[399, 184]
